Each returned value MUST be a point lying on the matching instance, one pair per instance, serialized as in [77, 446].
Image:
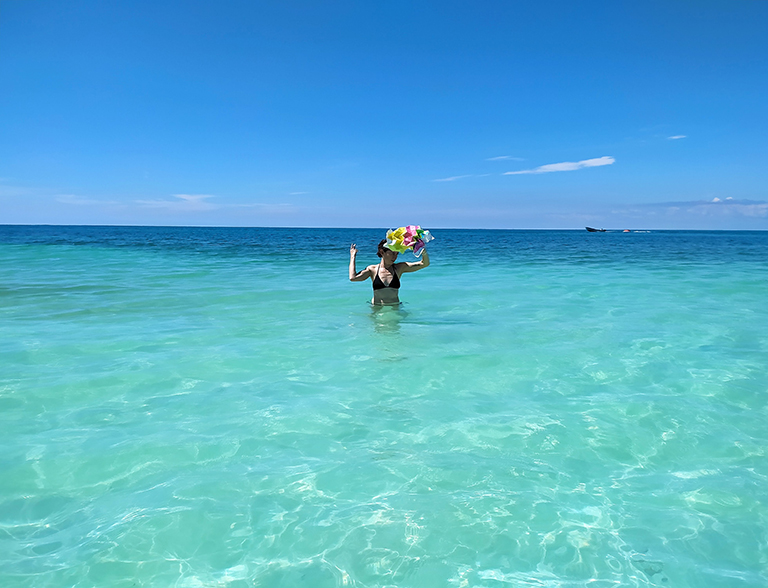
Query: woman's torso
[386, 285]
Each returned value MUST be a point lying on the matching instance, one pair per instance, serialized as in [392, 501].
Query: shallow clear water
[221, 407]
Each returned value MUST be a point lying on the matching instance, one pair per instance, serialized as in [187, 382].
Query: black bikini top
[394, 283]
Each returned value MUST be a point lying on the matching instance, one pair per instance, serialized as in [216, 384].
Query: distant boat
[591, 230]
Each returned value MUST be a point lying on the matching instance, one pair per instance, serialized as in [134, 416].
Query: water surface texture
[196, 407]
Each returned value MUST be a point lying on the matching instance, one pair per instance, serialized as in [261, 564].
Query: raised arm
[354, 276]
[414, 266]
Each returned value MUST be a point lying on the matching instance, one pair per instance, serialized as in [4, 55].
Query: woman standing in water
[385, 275]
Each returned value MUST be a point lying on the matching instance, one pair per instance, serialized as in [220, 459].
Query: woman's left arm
[414, 266]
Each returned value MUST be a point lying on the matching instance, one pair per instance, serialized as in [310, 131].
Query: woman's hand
[354, 276]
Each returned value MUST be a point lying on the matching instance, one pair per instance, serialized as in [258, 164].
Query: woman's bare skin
[387, 270]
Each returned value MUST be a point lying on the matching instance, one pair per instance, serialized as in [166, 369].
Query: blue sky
[493, 114]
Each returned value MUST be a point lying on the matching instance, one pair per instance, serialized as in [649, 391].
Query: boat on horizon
[591, 230]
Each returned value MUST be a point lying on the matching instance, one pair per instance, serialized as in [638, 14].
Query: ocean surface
[214, 407]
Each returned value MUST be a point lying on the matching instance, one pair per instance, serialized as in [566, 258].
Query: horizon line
[438, 228]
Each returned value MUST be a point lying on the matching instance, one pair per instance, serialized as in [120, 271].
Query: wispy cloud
[452, 178]
[505, 158]
[716, 206]
[81, 201]
[185, 203]
[296, 193]
[674, 137]
[14, 191]
[565, 166]
[260, 204]
[181, 203]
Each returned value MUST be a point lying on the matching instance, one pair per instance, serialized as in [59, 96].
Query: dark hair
[382, 247]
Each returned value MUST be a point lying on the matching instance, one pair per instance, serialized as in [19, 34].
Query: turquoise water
[221, 407]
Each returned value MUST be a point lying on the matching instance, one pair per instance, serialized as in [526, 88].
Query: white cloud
[14, 191]
[729, 206]
[505, 157]
[185, 203]
[81, 201]
[452, 178]
[674, 137]
[716, 207]
[565, 166]
[261, 205]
